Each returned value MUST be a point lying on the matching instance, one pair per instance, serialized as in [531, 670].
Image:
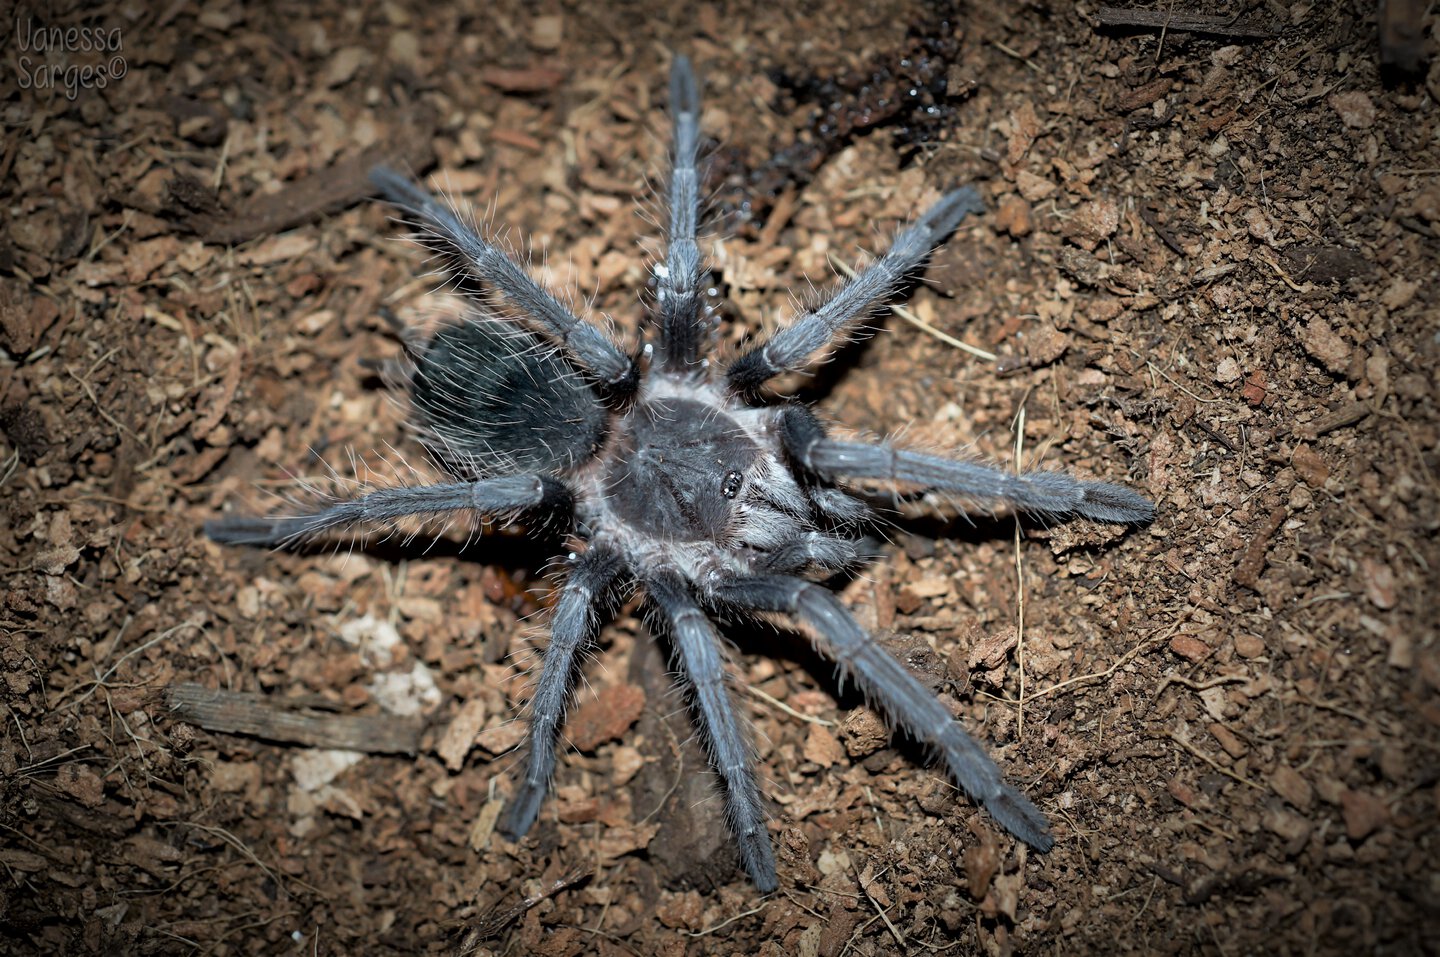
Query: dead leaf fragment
[501, 738]
[546, 32]
[1093, 223]
[1189, 647]
[863, 733]
[1290, 785]
[1024, 127]
[286, 247]
[1032, 187]
[532, 80]
[1290, 826]
[1310, 466]
[1379, 583]
[343, 65]
[981, 864]
[1254, 391]
[618, 841]
[1004, 896]
[991, 651]
[81, 783]
[1249, 646]
[484, 825]
[1321, 342]
[1228, 740]
[1013, 216]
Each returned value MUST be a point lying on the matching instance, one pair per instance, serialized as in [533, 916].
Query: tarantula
[676, 478]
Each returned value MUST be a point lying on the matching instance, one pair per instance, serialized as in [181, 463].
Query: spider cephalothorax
[675, 480]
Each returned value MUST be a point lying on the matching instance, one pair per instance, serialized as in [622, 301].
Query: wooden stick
[1173, 22]
[264, 716]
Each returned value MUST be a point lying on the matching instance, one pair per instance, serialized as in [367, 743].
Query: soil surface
[1207, 269]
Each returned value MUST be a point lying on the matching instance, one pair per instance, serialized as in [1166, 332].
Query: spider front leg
[1043, 493]
[896, 691]
[493, 496]
[698, 648]
[792, 346]
[480, 260]
[584, 600]
[682, 312]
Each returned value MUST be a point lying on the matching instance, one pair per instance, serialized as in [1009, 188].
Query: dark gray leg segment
[1045, 493]
[730, 749]
[584, 598]
[792, 346]
[495, 496]
[586, 344]
[897, 692]
[682, 311]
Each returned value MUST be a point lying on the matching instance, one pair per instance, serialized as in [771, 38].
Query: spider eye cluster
[730, 484]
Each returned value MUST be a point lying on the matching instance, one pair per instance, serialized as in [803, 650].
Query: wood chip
[606, 716]
[459, 736]
[1252, 560]
[532, 80]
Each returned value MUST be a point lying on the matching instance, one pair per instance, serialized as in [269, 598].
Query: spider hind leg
[896, 691]
[698, 647]
[584, 600]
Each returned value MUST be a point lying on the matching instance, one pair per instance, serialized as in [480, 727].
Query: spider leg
[792, 346]
[494, 496]
[583, 601]
[896, 691]
[837, 506]
[590, 347]
[813, 550]
[682, 313]
[1046, 493]
[730, 748]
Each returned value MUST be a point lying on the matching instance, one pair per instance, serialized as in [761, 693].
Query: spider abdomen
[491, 399]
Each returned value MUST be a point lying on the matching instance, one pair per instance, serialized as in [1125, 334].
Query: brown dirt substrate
[1208, 270]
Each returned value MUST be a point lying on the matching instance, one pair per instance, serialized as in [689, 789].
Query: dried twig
[263, 716]
[1172, 22]
[496, 919]
[335, 187]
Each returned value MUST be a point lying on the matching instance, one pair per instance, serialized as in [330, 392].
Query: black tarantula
[677, 479]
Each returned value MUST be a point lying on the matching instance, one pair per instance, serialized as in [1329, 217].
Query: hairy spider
[676, 479]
